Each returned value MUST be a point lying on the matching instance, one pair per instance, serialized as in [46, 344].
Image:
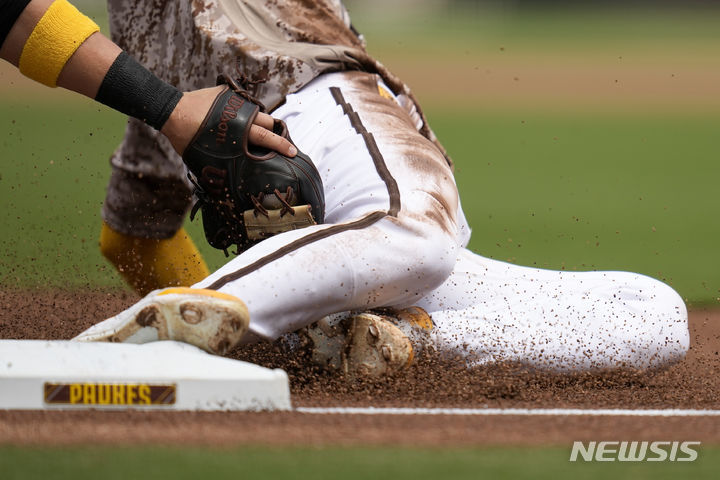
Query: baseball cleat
[208, 319]
[368, 345]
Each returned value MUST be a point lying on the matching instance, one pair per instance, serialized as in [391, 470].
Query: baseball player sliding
[366, 216]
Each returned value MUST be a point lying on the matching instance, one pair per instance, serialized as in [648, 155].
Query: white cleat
[368, 345]
[211, 320]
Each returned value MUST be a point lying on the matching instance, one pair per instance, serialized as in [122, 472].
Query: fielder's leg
[148, 194]
[145, 205]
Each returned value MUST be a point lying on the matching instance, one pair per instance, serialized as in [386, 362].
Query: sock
[148, 264]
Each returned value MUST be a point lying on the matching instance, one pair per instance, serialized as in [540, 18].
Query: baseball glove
[248, 193]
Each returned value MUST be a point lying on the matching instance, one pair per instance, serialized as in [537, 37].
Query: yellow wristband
[60, 31]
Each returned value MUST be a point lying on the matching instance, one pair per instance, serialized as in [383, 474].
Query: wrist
[185, 120]
[130, 88]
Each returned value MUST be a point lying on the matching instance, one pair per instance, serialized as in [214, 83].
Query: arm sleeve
[11, 10]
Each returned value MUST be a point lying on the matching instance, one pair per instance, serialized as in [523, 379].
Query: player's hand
[194, 106]
[261, 134]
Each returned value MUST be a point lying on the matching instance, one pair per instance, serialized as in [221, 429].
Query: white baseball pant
[395, 236]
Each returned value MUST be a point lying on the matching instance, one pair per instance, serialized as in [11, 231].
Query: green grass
[55, 168]
[543, 31]
[332, 463]
[573, 191]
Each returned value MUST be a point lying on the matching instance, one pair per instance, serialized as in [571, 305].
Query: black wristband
[11, 10]
[130, 88]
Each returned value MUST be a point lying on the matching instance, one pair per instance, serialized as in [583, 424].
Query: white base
[40, 375]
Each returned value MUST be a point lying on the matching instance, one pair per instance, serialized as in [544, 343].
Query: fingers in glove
[264, 120]
[263, 137]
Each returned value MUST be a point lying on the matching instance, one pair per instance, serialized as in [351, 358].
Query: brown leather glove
[248, 193]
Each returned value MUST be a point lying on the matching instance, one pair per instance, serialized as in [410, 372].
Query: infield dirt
[431, 382]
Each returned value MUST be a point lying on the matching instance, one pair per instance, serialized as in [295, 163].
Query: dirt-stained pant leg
[148, 194]
[391, 212]
[489, 311]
